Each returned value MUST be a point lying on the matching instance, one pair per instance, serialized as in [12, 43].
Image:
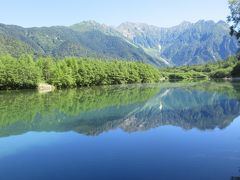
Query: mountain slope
[187, 43]
[62, 41]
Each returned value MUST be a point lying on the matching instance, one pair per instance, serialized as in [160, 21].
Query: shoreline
[45, 87]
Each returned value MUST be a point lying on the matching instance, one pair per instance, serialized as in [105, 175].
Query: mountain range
[185, 44]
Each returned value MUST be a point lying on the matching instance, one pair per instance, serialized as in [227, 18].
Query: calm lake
[168, 131]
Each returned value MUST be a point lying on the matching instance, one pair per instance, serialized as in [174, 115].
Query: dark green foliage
[176, 76]
[236, 70]
[221, 73]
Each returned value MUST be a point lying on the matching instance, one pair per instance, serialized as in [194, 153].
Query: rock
[44, 88]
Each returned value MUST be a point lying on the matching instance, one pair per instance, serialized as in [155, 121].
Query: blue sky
[162, 13]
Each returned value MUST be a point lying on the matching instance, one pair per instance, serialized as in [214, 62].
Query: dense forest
[26, 72]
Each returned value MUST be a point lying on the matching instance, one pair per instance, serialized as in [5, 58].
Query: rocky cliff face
[187, 43]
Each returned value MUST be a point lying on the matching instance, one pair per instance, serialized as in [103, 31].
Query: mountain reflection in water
[91, 111]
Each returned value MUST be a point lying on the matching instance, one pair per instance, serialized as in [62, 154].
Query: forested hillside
[62, 42]
[185, 44]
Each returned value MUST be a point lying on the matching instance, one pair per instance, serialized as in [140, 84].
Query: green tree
[2, 70]
[234, 18]
[28, 73]
[47, 67]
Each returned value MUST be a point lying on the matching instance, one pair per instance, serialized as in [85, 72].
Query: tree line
[229, 68]
[26, 72]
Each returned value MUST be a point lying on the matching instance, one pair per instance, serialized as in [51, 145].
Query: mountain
[187, 43]
[62, 41]
[86, 26]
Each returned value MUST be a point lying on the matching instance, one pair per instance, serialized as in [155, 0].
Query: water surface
[169, 131]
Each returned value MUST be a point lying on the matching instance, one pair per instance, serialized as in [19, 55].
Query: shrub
[177, 76]
[236, 71]
[222, 73]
